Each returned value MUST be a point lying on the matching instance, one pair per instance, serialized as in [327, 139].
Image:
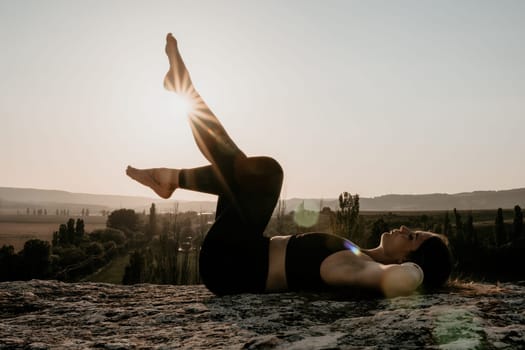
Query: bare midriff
[276, 280]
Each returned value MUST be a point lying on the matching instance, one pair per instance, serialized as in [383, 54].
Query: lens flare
[457, 328]
[304, 217]
[352, 247]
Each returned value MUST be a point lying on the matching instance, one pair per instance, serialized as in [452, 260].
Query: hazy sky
[370, 97]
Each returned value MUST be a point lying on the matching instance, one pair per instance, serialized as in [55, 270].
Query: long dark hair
[434, 257]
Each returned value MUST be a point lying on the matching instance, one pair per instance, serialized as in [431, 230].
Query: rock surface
[55, 315]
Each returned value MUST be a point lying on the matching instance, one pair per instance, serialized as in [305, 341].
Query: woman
[235, 257]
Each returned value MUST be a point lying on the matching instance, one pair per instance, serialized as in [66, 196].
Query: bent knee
[259, 166]
[269, 165]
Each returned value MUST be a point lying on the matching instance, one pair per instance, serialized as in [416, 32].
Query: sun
[179, 105]
[169, 107]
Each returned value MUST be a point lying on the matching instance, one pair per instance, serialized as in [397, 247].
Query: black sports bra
[304, 255]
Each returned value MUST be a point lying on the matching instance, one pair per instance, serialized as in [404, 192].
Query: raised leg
[209, 134]
[238, 180]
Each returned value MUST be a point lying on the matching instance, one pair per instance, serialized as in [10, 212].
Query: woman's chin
[384, 237]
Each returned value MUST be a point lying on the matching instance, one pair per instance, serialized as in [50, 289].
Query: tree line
[164, 248]
[72, 254]
[58, 212]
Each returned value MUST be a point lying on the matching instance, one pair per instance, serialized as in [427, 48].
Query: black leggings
[234, 254]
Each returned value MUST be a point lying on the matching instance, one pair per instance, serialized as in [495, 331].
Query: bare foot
[161, 180]
[178, 78]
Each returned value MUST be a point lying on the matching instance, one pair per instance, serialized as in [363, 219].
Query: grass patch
[112, 272]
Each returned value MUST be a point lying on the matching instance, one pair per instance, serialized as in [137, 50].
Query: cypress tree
[70, 231]
[347, 215]
[517, 225]
[500, 228]
[62, 234]
[79, 230]
[459, 226]
[470, 233]
[152, 221]
[447, 228]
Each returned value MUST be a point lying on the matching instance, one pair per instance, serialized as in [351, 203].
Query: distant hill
[440, 201]
[22, 198]
[420, 202]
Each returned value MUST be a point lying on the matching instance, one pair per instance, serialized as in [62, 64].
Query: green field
[111, 273]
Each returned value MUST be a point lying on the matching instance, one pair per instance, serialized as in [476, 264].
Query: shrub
[123, 218]
[70, 256]
[94, 248]
[107, 235]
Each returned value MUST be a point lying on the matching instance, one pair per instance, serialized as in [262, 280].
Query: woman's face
[399, 243]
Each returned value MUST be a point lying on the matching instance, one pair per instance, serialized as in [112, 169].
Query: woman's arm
[345, 269]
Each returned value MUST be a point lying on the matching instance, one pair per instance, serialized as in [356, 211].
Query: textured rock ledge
[54, 315]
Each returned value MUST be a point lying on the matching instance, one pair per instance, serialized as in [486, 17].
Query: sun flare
[169, 107]
[181, 105]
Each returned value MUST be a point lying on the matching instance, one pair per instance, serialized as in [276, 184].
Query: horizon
[375, 99]
[13, 199]
[213, 197]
